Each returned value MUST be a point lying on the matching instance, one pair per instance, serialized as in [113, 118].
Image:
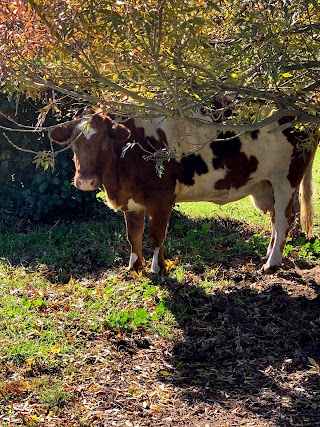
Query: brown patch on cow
[149, 143]
[300, 158]
[183, 171]
[189, 166]
[254, 134]
[228, 156]
[135, 176]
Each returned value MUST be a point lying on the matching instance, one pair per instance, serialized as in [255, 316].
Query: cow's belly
[204, 191]
[220, 197]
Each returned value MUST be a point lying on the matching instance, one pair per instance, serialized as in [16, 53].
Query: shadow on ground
[71, 248]
[249, 349]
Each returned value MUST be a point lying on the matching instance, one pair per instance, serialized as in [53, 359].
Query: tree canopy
[165, 57]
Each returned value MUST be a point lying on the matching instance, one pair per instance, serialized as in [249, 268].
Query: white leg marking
[155, 266]
[133, 259]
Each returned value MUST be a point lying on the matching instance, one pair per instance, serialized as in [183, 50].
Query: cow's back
[215, 167]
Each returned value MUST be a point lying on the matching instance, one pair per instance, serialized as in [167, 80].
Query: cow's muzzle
[87, 183]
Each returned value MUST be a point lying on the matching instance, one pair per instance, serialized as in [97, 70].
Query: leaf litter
[244, 350]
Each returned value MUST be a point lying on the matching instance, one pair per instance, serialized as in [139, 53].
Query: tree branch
[298, 116]
[95, 73]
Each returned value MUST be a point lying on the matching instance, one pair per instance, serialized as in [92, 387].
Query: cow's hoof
[135, 263]
[134, 268]
[266, 269]
[157, 269]
[137, 266]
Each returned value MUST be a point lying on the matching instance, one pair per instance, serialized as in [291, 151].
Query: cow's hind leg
[263, 199]
[158, 217]
[135, 225]
[272, 238]
[281, 218]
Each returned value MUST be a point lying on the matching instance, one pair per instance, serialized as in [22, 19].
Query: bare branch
[299, 116]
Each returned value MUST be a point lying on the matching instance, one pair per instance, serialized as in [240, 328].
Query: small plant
[180, 273]
[55, 397]
[126, 320]
[259, 243]
[309, 249]
[197, 235]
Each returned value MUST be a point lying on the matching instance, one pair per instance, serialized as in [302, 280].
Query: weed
[303, 248]
[180, 273]
[259, 243]
[126, 320]
[55, 397]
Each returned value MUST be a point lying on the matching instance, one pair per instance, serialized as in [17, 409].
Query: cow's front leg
[158, 217]
[135, 225]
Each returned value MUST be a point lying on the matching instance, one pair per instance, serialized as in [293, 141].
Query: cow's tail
[306, 205]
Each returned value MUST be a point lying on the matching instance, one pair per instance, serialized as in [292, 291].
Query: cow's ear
[61, 134]
[120, 132]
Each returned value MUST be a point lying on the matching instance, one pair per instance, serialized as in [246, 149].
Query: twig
[25, 150]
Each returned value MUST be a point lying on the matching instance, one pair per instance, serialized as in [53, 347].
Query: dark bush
[29, 192]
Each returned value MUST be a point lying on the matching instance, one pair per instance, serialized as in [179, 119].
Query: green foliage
[259, 243]
[132, 317]
[29, 188]
[165, 56]
[129, 320]
[303, 248]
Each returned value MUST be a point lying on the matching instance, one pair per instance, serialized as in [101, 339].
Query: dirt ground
[247, 356]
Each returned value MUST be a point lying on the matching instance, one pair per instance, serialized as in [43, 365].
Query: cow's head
[92, 138]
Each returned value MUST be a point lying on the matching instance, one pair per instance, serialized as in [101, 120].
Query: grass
[68, 306]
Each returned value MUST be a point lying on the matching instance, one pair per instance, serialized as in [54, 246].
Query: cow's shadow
[246, 348]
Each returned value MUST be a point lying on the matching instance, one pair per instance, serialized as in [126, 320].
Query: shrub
[27, 191]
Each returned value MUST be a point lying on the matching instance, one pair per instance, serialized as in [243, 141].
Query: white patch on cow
[184, 137]
[155, 268]
[135, 207]
[271, 243]
[86, 129]
[262, 197]
[113, 205]
[133, 259]
[150, 218]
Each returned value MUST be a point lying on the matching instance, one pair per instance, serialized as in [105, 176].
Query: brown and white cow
[208, 166]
